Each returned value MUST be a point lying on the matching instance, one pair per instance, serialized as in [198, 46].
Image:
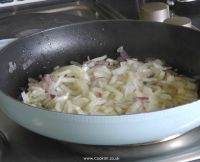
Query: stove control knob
[154, 11]
[181, 21]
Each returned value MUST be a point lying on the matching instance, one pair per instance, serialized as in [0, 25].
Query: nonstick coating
[40, 53]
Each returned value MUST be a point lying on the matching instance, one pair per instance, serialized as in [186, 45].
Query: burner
[140, 151]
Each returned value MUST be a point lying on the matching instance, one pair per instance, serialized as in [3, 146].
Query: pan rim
[102, 21]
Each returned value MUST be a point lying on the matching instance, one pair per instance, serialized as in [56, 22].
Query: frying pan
[41, 52]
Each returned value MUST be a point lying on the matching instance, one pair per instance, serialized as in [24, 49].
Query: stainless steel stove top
[20, 145]
[52, 15]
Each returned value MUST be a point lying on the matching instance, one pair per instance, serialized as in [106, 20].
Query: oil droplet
[101, 43]
[103, 29]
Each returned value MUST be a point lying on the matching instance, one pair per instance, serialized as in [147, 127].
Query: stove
[18, 144]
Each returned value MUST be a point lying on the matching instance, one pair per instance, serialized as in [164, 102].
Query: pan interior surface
[40, 53]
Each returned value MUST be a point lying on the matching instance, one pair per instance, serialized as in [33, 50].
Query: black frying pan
[177, 46]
